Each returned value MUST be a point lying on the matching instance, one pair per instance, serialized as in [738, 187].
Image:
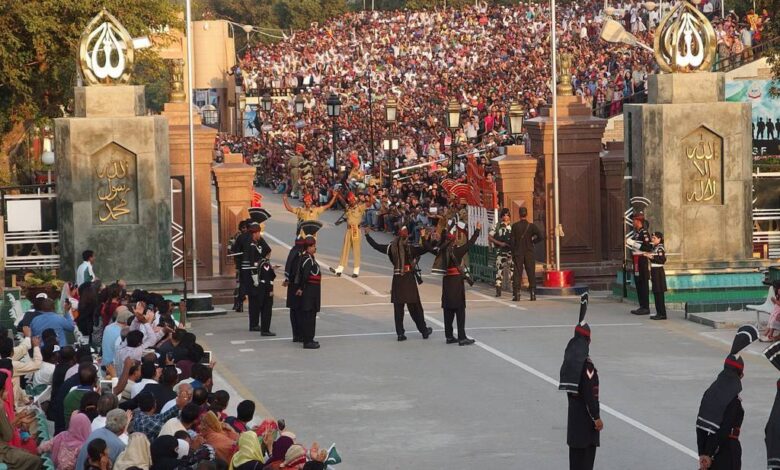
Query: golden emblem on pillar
[685, 40]
[565, 87]
[105, 51]
[177, 81]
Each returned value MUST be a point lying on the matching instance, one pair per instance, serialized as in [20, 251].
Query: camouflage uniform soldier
[499, 237]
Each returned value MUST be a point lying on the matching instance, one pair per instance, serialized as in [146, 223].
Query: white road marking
[209, 334]
[368, 289]
[381, 304]
[479, 328]
[502, 302]
[626, 419]
[246, 350]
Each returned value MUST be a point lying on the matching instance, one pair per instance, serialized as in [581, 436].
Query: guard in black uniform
[657, 259]
[721, 413]
[772, 429]
[525, 234]
[234, 251]
[405, 278]
[580, 380]
[308, 289]
[453, 293]
[291, 267]
[261, 292]
[639, 243]
[255, 249]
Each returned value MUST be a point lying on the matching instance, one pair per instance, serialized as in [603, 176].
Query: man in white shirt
[84, 272]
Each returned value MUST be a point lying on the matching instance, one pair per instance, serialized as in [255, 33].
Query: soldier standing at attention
[291, 267]
[404, 287]
[580, 381]
[308, 290]
[639, 243]
[525, 235]
[500, 237]
[234, 251]
[254, 249]
[453, 292]
[657, 274]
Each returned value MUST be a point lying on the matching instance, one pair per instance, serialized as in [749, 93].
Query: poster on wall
[250, 125]
[766, 113]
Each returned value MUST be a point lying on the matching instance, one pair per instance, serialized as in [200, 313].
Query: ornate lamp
[516, 115]
[391, 110]
[266, 103]
[453, 114]
[333, 105]
[299, 102]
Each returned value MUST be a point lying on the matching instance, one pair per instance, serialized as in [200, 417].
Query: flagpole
[193, 231]
[557, 209]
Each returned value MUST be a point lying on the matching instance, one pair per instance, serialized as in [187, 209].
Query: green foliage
[39, 49]
[155, 74]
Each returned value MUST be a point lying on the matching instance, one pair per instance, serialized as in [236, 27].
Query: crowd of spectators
[124, 386]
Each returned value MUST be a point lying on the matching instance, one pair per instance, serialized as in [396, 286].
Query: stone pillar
[691, 157]
[579, 146]
[235, 182]
[113, 192]
[613, 201]
[179, 137]
[516, 172]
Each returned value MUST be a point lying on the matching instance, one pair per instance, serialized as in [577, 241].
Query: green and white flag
[333, 456]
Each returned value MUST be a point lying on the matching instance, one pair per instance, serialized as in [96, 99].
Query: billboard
[766, 113]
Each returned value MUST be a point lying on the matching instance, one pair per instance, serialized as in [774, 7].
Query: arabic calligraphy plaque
[702, 168]
[115, 186]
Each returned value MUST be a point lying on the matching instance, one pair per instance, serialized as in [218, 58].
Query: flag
[333, 456]
[256, 199]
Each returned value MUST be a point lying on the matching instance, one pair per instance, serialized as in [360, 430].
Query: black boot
[238, 306]
[533, 295]
[498, 291]
[515, 296]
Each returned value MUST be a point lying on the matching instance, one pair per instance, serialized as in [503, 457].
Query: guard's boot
[238, 306]
[498, 291]
[533, 294]
[515, 296]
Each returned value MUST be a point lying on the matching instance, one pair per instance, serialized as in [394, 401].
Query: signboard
[766, 113]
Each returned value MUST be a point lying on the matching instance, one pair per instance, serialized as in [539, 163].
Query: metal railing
[751, 54]
[615, 108]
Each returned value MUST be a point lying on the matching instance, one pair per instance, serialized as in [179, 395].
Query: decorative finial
[564, 74]
[685, 40]
[105, 51]
[177, 81]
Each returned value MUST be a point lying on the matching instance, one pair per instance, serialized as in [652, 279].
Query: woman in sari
[11, 451]
[249, 455]
[137, 453]
[221, 437]
[65, 446]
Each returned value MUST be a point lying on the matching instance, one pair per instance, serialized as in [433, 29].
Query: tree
[39, 49]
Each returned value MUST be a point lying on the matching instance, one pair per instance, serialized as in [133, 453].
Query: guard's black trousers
[582, 459]
[296, 329]
[415, 311]
[528, 262]
[260, 312]
[643, 283]
[307, 323]
[451, 314]
[660, 305]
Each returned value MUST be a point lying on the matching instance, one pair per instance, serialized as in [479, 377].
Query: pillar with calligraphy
[689, 151]
[113, 186]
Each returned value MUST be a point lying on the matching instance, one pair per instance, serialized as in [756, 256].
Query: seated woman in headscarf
[278, 448]
[218, 435]
[65, 446]
[249, 455]
[164, 453]
[136, 454]
[10, 441]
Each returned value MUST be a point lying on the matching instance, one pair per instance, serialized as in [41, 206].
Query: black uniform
[254, 254]
[404, 287]
[772, 429]
[307, 304]
[261, 297]
[720, 412]
[234, 251]
[580, 380]
[641, 239]
[658, 276]
[291, 268]
[524, 236]
[453, 292]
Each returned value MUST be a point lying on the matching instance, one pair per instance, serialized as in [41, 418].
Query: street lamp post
[47, 158]
[453, 123]
[240, 106]
[334, 110]
[299, 102]
[516, 115]
[391, 147]
[391, 116]
[371, 111]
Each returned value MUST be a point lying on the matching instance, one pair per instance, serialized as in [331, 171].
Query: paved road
[494, 405]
